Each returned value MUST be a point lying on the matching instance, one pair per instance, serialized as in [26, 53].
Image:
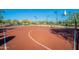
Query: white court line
[5, 46]
[29, 35]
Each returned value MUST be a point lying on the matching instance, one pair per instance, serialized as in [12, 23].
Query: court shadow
[67, 33]
[1, 36]
[1, 30]
[7, 39]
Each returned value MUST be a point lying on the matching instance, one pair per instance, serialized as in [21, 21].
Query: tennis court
[34, 38]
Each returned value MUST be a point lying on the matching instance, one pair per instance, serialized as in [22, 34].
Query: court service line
[29, 35]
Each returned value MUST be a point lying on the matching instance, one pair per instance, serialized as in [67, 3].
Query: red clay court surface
[35, 38]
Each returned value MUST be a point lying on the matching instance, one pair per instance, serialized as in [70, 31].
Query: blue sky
[37, 14]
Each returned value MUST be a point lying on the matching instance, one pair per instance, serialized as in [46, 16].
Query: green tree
[71, 19]
[1, 16]
[26, 22]
[14, 22]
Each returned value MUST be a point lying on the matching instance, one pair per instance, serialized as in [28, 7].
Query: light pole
[36, 19]
[75, 33]
[47, 19]
[56, 17]
[65, 14]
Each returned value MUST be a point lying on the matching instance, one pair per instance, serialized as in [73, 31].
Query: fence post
[4, 32]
